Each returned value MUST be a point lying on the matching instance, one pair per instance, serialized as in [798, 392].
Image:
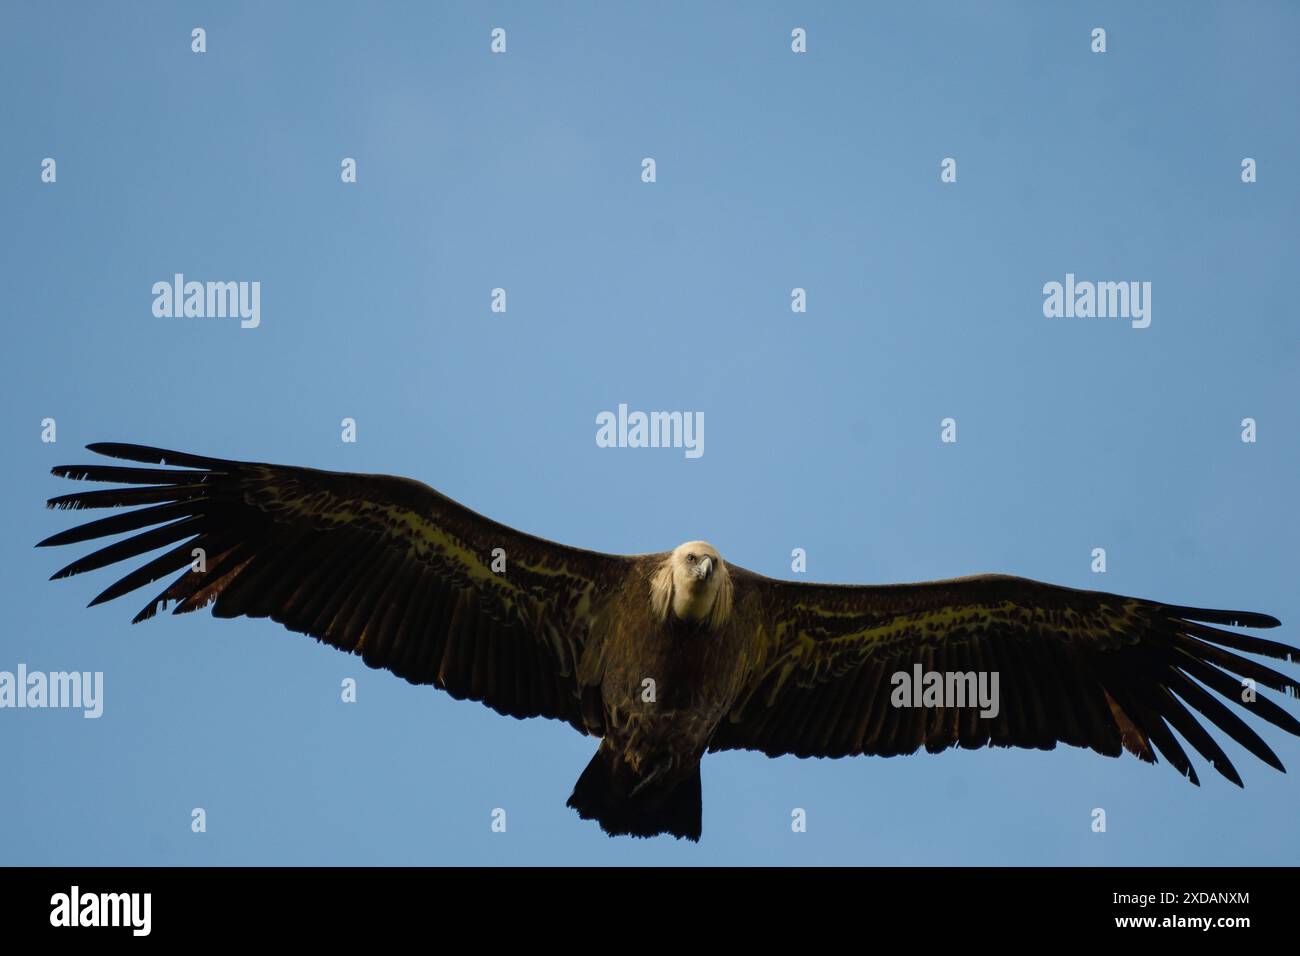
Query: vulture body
[668, 656]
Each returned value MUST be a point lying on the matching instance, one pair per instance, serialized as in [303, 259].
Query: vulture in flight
[668, 656]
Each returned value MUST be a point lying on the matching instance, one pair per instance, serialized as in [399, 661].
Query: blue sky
[522, 171]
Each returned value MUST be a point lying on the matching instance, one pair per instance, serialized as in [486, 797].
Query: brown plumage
[667, 656]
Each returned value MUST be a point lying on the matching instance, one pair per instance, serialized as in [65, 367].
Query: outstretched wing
[380, 566]
[1080, 667]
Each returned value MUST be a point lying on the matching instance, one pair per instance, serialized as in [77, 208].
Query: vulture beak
[704, 568]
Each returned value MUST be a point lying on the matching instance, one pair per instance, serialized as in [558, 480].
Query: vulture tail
[623, 802]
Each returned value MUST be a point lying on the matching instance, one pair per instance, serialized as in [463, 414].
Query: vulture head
[692, 585]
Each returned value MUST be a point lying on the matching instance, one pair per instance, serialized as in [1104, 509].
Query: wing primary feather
[1230, 618]
[132, 547]
[157, 456]
[1243, 642]
[123, 475]
[126, 497]
[129, 521]
[1242, 666]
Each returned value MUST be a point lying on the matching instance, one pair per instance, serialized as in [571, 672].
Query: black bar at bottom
[334, 905]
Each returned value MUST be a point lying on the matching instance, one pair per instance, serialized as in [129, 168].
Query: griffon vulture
[667, 656]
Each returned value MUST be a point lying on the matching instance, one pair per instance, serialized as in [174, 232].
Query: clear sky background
[522, 170]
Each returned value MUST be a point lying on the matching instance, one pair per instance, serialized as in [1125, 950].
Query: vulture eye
[690, 558]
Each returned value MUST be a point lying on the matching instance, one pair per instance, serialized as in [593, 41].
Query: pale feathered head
[692, 584]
